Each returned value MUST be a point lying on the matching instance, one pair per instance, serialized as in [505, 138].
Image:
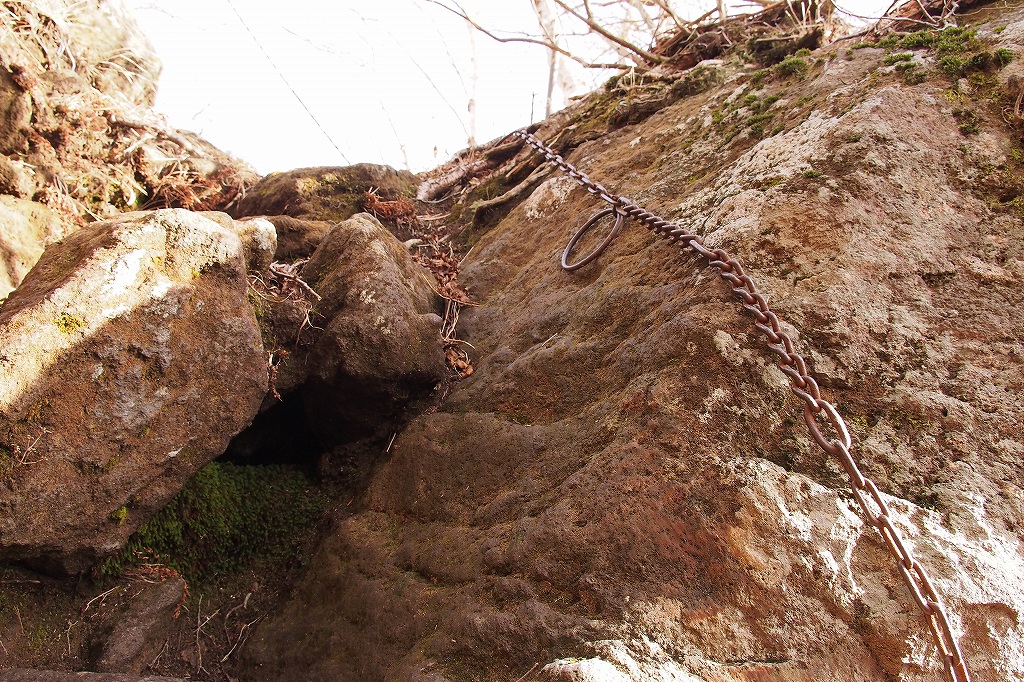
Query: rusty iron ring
[620, 219]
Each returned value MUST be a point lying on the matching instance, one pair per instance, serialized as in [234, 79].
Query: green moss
[898, 57]
[1002, 57]
[225, 519]
[912, 41]
[802, 52]
[858, 421]
[918, 40]
[957, 40]
[756, 123]
[119, 515]
[792, 66]
[970, 122]
[758, 76]
[914, 76]
[68, 323]
[811, 174]
[758, 106]
[952, 65]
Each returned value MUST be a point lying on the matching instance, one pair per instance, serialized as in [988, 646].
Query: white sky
[389, 80]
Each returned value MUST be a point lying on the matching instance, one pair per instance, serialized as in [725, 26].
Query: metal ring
[620, 218]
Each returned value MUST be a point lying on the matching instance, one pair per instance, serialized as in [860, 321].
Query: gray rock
[130, 357]
[258, 235]
[141, 632]
[297, 238]
[379, 346]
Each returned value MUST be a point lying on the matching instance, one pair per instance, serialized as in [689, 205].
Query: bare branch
[647, 56]
[461, 13]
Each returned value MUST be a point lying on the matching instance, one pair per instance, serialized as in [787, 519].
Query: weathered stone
[15, 115]
[130, 357]
[258, 235]
[379, 346]
[625, 490]
[298, 238]
[16, 179]
[26, 228]
[324, 193]
[141, 632]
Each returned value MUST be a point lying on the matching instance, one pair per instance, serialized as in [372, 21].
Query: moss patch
[226, 519]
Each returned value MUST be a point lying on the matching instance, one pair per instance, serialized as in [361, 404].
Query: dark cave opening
[282, 434]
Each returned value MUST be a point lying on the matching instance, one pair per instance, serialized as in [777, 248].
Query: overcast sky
[388, 81]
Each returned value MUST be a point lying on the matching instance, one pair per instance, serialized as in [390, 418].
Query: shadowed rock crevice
[280, 435]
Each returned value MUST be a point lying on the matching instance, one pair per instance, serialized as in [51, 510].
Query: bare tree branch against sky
[388, 81]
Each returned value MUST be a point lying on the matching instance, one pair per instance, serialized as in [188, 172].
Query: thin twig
[243, 635]
[101, 597]
[528, 673]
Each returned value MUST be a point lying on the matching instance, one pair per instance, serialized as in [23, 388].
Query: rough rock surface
[624, 489]
[140, 634]
[378, 341]
[323, 193]
[26, 228]
[298, 238]
[130, 358]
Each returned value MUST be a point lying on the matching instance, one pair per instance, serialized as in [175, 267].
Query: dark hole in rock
[280, 435]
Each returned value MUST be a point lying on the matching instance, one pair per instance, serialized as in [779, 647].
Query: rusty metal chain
[802, 384]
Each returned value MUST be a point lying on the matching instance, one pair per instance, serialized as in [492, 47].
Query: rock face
[130, 358]
[624, 489]
[379, 343]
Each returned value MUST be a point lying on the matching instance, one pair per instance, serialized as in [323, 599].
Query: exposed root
[461, 169]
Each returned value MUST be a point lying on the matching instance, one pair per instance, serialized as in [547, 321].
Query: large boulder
[323, 193]
[625, 490]
[298, 238]
[130, 357]
[371, 344]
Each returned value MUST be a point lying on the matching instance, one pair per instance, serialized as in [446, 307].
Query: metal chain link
[802, 384]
